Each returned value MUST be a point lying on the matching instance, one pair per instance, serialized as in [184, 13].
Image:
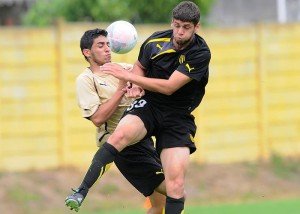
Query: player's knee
[118, 140]
[175, 188]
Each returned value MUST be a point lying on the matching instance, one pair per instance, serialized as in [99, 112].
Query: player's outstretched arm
[164, 86]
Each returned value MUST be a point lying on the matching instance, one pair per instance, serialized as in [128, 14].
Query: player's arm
[90, 104]
[164, 86]
[134, 90]
[138, 69]
[106, 110]
[194, 68]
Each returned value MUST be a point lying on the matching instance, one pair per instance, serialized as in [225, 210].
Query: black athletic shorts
[141, 166]
[171, 127]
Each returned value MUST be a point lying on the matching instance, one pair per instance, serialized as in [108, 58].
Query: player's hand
[134, 92]
[115, 70]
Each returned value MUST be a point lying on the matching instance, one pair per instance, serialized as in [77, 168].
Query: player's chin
[180, 41]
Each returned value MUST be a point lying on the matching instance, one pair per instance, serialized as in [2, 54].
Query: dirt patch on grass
[45, 191]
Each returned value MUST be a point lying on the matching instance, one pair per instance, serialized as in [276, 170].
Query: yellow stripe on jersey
[159, 40]
[164, 52]
[192, 138]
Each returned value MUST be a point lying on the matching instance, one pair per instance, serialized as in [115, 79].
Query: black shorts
[171, 127]
[141, 166]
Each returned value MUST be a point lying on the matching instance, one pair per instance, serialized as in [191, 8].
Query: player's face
[183, 32]
[100, 51]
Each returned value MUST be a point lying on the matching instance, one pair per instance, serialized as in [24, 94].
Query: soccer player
[173, 69]
[102, 100]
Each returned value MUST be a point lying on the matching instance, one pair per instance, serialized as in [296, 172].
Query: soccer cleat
[74, 200]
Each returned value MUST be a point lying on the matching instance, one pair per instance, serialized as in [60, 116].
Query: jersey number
[137, 104]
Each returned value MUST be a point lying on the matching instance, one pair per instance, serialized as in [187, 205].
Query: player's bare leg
[157, 201]
[130, 130]
[175, 162]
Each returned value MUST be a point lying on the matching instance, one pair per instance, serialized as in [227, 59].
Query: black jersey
[160, 59]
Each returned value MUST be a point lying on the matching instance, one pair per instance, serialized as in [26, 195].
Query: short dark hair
[88, 37]
[187, 11]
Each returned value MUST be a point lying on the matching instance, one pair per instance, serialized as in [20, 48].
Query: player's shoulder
[199, 49]
[159, 36]
[162, 34]
[201, 44]
[86, 75]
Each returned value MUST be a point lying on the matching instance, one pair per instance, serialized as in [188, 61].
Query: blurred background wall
[250, 111]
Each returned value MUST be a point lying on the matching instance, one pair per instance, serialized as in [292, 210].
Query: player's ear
[86, 52]
[197, 27]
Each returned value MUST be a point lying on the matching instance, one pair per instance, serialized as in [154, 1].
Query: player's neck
[95, 68]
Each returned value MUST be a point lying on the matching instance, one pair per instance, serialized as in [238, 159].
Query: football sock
[174, 206]
[101, 161]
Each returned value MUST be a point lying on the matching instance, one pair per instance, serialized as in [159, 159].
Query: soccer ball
[122, 36]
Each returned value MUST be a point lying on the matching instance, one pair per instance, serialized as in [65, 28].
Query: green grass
[109, 189]
[291, 206]
[266, 207]
[22, 198]
[284, 167]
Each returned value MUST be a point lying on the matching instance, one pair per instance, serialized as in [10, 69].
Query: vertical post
[2, 62]
[1, 155]
[281, 11]
[262, 104]
[61, 103]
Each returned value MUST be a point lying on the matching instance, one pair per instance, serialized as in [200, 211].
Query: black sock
[174, 206]
[104, 156]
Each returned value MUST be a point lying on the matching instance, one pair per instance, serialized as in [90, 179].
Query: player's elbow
[97, 122]
[168, 91]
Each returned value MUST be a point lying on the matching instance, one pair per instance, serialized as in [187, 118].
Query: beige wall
[251, 109]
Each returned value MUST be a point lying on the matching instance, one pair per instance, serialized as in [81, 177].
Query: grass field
[266, 207]
[241, 188]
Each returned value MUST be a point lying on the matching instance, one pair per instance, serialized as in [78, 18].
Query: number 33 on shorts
[137, 104]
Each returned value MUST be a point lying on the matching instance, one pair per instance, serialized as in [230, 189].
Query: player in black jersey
[172, 67]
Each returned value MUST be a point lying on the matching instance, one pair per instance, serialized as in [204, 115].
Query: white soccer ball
[122, 36]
